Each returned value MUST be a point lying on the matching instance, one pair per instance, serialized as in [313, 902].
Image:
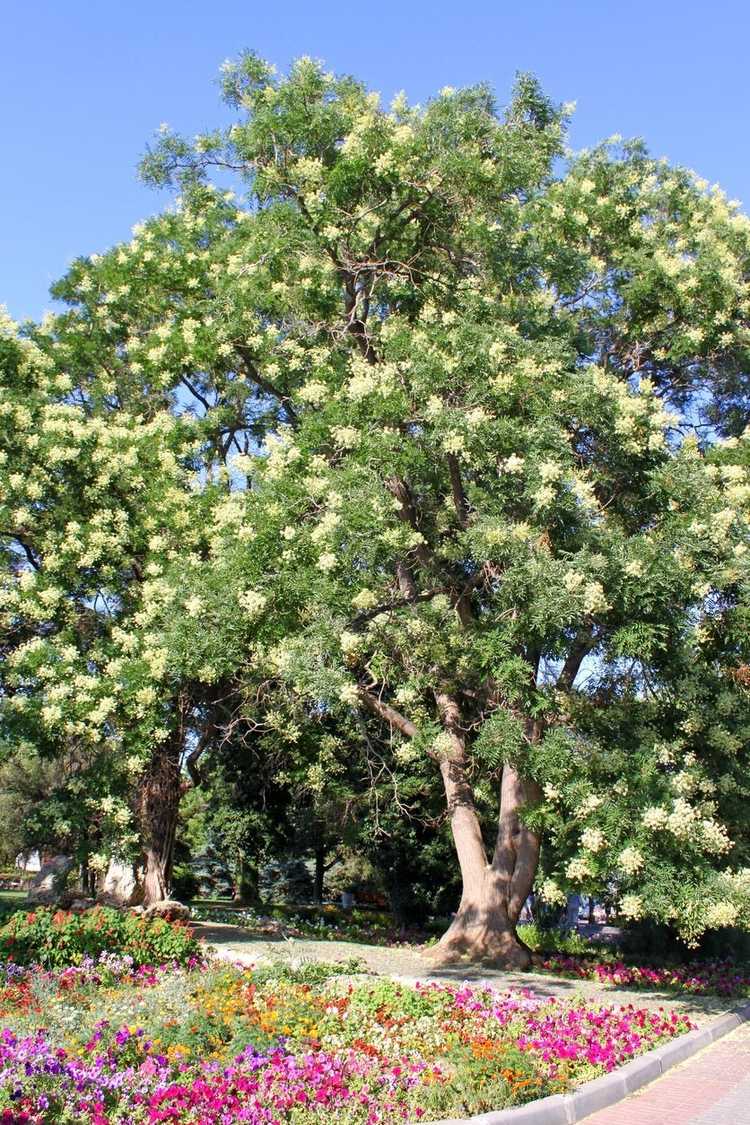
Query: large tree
[426, 374]
[481, 501]
[115, 422]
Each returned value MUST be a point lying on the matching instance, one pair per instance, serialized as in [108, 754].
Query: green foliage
[553, 941]
[307, 972]
[400, 457]
[55, 938]
[500, 740]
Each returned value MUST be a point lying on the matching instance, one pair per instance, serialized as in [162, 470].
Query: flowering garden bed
[106, 1041]
[719, 978]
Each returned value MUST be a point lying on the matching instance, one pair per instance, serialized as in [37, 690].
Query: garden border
[567, 1109]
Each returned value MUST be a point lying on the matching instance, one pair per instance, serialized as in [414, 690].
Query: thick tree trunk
[484, 927]
[159, 805]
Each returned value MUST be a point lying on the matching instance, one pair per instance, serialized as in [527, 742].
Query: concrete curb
[567, 1109]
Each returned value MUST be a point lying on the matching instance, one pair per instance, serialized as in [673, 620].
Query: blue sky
[84, 84]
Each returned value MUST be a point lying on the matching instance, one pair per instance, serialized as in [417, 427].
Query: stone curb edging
[567, 1109]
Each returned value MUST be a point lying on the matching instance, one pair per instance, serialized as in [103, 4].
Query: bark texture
[159, 804]
[484, 926]
[246, 891]
[493, 893]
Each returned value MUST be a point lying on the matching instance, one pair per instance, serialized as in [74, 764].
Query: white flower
[252, 602]
[550, 470]
[544, 496]
[313, 392]
[453, 443]
[365, 599]
[715, 839]
[655, 817]
[477, 417]
[573, 580]
[349, 641]
[592, 839]
[630, 860]
[194, 606]
[721, 914]
[513, 464]
[551, 892]
[631, 907]
[327, 561]
[442, 744]
[594, 599]
[360, 385]
[346, 437]
[349, 694]
[681, 820]
[578, 869]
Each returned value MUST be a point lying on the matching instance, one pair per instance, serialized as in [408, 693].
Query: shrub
[55, 938]
[185, 882]
[540, 940]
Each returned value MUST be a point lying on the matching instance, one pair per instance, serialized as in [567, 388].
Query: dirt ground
[407, 963]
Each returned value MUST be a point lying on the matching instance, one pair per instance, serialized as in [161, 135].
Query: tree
[405, 414]
[102, 441]
[479, 490]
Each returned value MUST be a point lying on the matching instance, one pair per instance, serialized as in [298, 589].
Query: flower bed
[106, 1041]
[56, 938]
[719, 978]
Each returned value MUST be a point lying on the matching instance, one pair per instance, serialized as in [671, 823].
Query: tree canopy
[407, 418]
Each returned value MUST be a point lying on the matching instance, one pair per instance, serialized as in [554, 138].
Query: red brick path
[712, 1088]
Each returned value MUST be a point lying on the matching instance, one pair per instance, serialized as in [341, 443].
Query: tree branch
[390, 714]
[252, 372]
[460, 502]
[409, 599]
[581, 647]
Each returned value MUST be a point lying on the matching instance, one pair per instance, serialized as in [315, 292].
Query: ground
[233, 943]
[712, 1088]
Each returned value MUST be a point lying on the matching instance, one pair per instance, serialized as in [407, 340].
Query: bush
[185, 882]
[55, 938]
[555, 941]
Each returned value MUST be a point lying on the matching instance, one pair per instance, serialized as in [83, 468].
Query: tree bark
[159, 803]
[320, 871]
[493, 893]
[246, 891]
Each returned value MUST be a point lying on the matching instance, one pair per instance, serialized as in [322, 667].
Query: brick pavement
[712, 1088]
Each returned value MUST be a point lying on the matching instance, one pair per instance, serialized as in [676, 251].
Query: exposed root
[478, 946]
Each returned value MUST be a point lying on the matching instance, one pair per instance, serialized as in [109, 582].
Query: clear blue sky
[84, 83]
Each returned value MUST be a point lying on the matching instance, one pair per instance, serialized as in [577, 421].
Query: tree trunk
[246, 892]
[320, 871]
[484, 927]
[159, 805]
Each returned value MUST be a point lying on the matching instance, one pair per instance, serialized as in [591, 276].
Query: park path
[711, 1088]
